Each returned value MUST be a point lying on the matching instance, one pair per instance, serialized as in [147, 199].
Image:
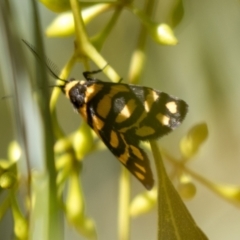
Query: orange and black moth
[122, 115]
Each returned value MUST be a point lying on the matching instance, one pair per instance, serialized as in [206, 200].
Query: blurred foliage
[175, 222]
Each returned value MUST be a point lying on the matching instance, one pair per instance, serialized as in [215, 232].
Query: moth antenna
[48, 63]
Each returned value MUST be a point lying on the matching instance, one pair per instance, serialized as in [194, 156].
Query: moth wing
[128, 152]
[153, 115]
[162, 113]
[122, 115]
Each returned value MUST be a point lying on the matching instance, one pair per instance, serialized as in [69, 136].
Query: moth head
[75, 91]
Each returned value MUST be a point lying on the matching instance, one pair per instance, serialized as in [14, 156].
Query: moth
[122, 115]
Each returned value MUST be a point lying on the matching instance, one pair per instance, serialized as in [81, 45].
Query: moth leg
[120, 80]
[87, 74]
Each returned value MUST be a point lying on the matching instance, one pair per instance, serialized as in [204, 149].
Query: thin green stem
[5, 205]
[84, 48]
[100, 38]
[53, 218]
[80, 31]
[124, 204]
[138, 57]
[181, 167]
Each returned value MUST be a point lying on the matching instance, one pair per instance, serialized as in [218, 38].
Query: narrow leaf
[174, 220]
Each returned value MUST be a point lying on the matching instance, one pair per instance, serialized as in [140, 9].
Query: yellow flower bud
[164, 35]
[229, 192]
[191, 143]
[143, 202]
[7, 180]
[186, 187]
[63, 25]
[83, 141]
[14, 151]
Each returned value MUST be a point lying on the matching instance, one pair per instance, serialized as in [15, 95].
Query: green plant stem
[140, 14]
[124, 201]
[100, 38]
[207, 184]
[180, 166]
[4, 206]
[85, 49]
[138, 57]
[53, 218]
[80, 31]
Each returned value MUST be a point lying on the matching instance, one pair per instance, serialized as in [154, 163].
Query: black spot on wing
[138, 92]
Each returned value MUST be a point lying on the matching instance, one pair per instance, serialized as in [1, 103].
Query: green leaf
[143, 203]
[174, 219]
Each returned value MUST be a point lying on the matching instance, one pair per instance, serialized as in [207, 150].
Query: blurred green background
[203, 69]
